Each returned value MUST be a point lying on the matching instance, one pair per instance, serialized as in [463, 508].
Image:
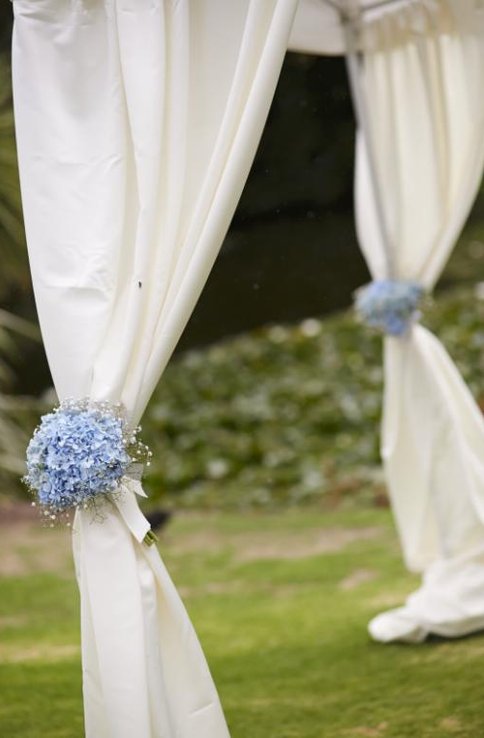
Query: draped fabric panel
[137, 122]
[426, 119]
[317, 29]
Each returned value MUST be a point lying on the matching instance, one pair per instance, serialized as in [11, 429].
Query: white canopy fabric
[134, 144]
[319, 26]
[427, 115]
[420, 158]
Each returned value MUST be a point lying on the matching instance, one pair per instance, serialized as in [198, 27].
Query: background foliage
[290, 413]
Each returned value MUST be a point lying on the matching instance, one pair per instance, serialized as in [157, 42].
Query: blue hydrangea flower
[388, 305]
[77, 453]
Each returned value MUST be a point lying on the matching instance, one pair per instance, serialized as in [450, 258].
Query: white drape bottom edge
[433, 452]
[449, 603]
[145, 675]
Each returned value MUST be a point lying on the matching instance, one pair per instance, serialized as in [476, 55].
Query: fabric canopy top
[319, 24]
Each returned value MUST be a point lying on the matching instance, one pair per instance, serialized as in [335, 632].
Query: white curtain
[423, 79]
[317, 28]
[137, 122]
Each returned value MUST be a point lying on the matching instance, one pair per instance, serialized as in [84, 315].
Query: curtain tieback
[84, 452]
[390, 306]
[128, 508]
[126, 503]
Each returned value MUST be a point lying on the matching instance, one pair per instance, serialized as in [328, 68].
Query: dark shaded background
[291, 250]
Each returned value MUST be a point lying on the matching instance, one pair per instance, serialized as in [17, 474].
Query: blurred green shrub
[18, 414]
[286, 415]
[14, 275]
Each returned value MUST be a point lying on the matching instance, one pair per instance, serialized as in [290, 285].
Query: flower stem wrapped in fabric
[391, 306]
[79, 453]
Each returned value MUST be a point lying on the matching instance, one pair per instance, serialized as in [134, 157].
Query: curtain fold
[426, 112]
[137, 122]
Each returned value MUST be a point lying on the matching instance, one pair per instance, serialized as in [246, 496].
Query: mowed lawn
[280, 602]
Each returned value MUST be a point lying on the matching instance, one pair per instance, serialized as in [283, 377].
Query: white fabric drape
[137, 121]
[317, 29]
[426, 121]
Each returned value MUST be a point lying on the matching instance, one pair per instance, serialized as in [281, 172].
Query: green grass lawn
[280, 602]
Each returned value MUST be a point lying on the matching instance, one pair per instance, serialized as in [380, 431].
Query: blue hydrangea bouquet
[79, 453]
[390, 306]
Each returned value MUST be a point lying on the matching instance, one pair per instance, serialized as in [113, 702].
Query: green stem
[150, 538]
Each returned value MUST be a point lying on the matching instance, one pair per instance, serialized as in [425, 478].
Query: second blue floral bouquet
[390, 306]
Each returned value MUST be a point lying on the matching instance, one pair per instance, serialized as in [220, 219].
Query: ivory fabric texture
[319, 24]
[317, 29]
[426, 120]
[137, 122]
